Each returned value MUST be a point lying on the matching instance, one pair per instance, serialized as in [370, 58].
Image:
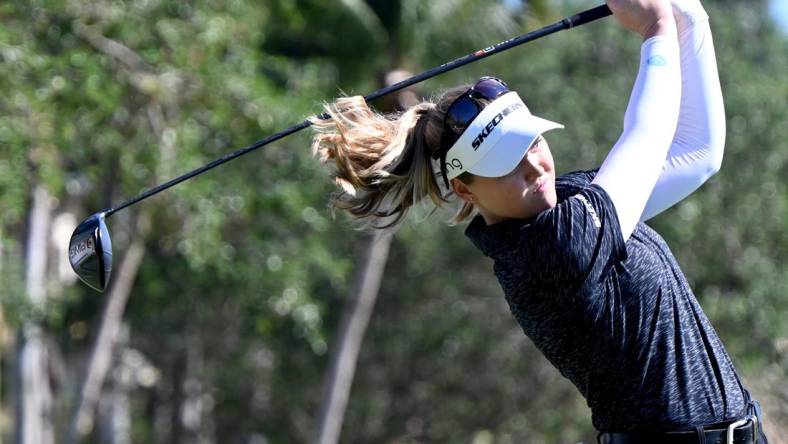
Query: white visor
[497, 139]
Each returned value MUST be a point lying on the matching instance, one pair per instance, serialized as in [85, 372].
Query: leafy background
[235, 307]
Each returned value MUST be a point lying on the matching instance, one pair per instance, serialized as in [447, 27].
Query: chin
[548, 199]
[552, 199]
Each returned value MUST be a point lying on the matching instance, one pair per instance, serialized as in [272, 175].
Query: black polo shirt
[617, 319]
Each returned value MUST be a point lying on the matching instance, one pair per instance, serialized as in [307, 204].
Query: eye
[537, 145]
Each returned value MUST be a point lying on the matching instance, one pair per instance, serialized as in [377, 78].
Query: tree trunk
[196, 405]
[6, 344]
[114, 422]
[100, 357]
[34, 405]
[34, 399]
[178, 371]
[352, 328]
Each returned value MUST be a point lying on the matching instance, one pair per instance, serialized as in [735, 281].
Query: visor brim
[507, 153]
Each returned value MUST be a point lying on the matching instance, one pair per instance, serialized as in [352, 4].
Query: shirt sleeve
[633, 165]
[579, 239]
[697, 148]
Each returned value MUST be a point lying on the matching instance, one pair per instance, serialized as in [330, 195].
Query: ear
[462, 190]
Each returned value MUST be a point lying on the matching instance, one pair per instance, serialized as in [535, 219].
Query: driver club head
[90, 252]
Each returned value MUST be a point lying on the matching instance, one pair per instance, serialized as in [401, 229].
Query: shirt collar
[491, 238]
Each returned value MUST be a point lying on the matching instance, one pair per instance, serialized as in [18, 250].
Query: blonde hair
[383, 162]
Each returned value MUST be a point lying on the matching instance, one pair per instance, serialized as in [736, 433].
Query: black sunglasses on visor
[461, 113]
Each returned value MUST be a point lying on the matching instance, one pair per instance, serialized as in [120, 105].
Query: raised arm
[634, 164]
[697, 148]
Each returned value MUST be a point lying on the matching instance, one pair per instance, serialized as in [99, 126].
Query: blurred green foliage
[245, 265]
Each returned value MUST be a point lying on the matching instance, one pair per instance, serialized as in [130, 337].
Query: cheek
[547, 161]
[514, 186]
[501, 197]
[516, 191]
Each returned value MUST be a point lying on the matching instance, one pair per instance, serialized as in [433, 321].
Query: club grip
[589, 16]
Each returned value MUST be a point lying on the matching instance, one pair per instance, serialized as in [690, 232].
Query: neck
[490, 218]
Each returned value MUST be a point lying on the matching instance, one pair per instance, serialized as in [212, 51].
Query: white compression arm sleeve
[697, 148]
[634, 164]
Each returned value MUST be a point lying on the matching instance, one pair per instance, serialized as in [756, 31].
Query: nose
[532, 166]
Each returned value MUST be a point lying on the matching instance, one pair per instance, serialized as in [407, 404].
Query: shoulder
[561, 243]
[579, 231]
[569, 184]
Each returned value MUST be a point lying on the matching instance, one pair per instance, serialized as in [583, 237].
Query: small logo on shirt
[657, 60]
[591, 210]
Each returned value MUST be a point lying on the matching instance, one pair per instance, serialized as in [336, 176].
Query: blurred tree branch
[353, 325]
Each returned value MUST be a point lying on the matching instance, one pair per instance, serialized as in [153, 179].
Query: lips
[540, 186]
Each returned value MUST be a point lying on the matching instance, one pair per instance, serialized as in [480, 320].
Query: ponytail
[383, 162]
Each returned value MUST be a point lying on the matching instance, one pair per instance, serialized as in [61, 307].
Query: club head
[90, 252]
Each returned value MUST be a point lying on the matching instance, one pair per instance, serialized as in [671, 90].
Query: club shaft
[569, 22]
[226, 158]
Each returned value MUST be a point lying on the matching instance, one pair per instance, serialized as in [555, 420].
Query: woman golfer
[597, 291]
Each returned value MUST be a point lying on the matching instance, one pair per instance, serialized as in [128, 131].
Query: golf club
[90, 247]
